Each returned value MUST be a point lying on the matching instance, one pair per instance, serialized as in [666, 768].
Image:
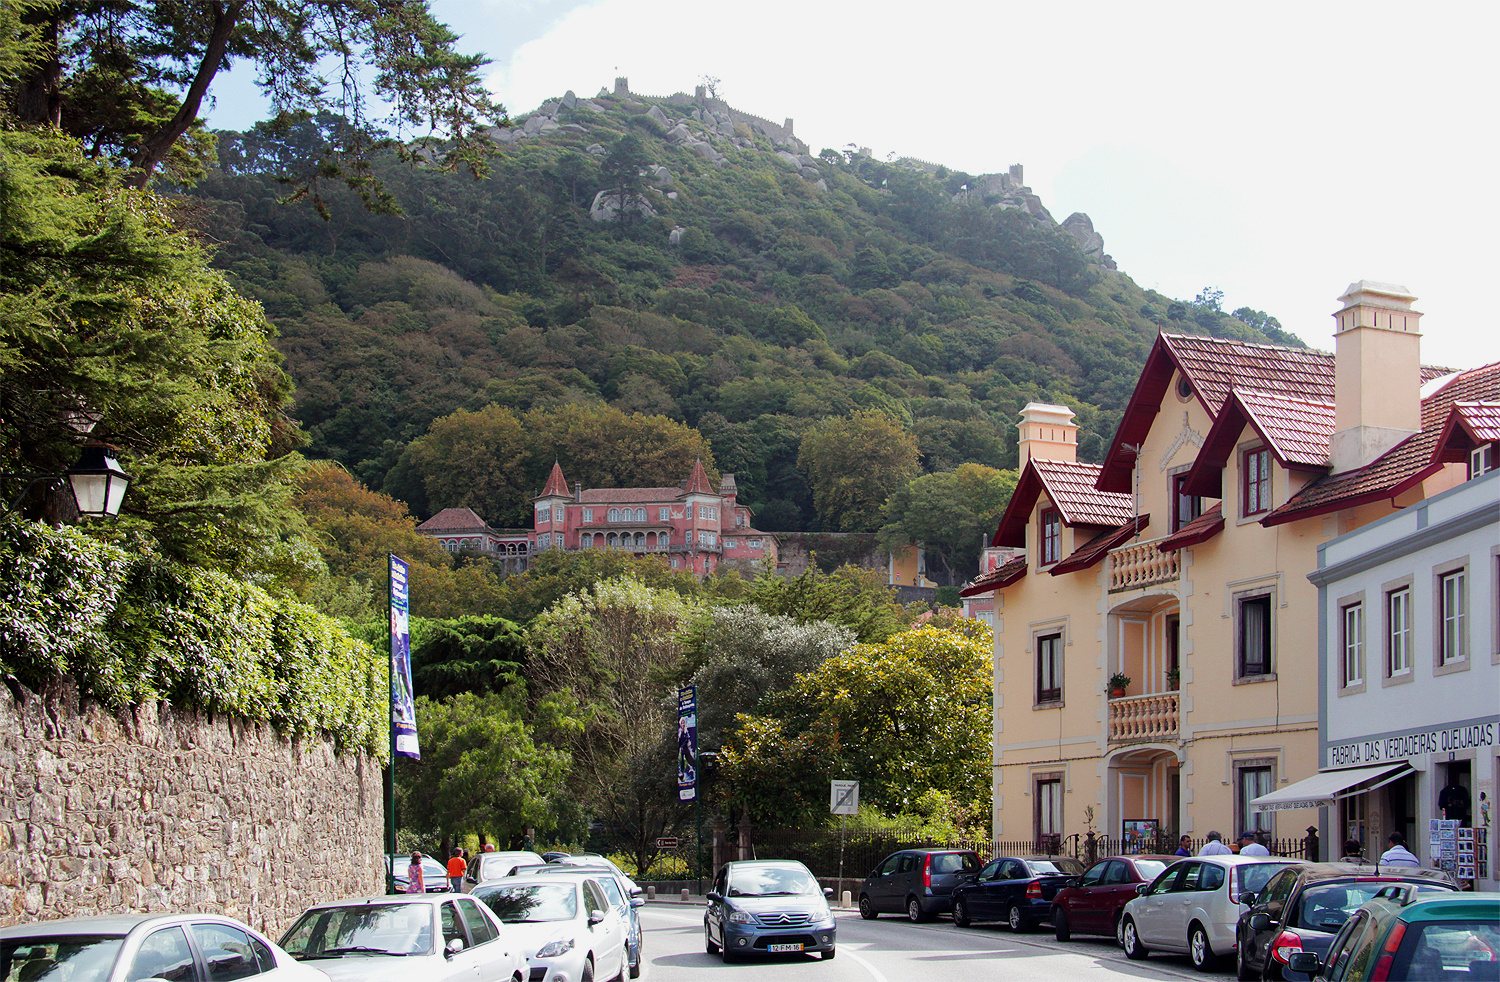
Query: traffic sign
[844, 798]
[667, 842]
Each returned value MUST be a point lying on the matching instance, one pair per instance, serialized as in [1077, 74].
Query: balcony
[1143, 719]
[1141, 564]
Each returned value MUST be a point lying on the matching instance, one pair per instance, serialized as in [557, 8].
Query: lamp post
[97, 482]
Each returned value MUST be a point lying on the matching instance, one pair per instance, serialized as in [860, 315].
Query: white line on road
[863, 964]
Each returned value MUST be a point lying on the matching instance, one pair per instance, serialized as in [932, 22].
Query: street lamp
[97, 481]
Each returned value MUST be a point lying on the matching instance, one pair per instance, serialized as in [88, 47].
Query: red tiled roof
[1468, 425]
[1215, 367]
[629, 496]
[1096, 548]
[1298, 432]
[1070, 486]
[453, 520]
[1403, 466]
[697, 481]
[556, 483]
[1200, 529]
[996, 579]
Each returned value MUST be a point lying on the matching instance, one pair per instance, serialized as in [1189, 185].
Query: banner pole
[390, 732]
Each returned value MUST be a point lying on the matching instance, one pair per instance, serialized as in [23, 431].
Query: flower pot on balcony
[1116, 693]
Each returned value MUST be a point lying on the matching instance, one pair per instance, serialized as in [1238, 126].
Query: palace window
[544, 513]
[663, 514]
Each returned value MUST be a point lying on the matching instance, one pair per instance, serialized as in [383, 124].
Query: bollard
[651, 893]
[684, 894]
[847, 899]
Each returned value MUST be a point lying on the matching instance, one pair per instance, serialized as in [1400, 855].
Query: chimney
[1377, 373]
[1048, 433]
[577, 490]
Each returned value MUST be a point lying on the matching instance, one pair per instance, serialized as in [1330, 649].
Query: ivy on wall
[131, 629]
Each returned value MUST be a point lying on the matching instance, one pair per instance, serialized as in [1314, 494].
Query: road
[892, 950]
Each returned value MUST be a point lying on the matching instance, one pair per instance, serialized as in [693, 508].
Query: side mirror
[1259, 921]
[636, 891]
[595, 917]
[1072, 881]
[828, 893]
[637, 901]
[453, 947]
[1141, 888]
[1248, 898]
[1306, 962]
[714, 895]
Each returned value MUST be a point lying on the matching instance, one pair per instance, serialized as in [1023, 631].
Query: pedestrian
[1398, 854]
[1250, 845]
[1185, 846]
[1215, 846]
[1354, 852]
[414, 875]
[457, 866]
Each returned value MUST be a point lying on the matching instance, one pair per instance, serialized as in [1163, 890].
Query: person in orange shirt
[456, 868]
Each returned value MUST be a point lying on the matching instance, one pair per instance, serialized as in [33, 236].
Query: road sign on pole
[667, 842]
[844, 798]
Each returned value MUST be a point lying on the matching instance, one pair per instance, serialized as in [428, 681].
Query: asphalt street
[890, 949]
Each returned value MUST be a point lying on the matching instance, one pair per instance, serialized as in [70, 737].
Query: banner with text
[687, 743]
[403, 702]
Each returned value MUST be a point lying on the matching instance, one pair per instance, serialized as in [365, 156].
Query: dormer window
[1481, 460]
[1051, 540]
[1255, 482]
[1185, 507]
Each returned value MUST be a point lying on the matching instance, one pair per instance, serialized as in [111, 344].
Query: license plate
[783, 947]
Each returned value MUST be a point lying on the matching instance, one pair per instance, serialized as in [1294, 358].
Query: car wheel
[914, 912]
[1131, 941]
[829, 954]
[1016, 919]
[587, 974]
[1199, 950]
[708, 943]
[1242, 969]
[635, 969]
[961, 913]
[1060, 924]
[866, 909]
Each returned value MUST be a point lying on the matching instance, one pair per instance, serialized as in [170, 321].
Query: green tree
[855, 598]
[114, 329]
[130, 79]
[951, 515]
[621, 174]
[466, 654]
[854, 464]
[904, 718]
[476, 460]
[481, 769]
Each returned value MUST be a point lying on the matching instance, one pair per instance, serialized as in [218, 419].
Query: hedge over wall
[131, 629]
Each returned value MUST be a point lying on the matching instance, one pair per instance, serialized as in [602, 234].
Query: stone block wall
[158, 809]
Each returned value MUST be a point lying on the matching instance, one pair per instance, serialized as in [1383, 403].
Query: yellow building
[1182, 562]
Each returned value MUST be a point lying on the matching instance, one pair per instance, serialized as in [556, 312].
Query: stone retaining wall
[166, 809]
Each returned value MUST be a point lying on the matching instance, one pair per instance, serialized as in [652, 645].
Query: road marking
[875, 972]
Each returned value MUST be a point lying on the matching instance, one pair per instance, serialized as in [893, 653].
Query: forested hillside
[794, 288]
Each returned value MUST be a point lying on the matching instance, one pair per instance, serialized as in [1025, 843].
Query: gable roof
[1071, 487]
[1095, 549]
[1403, 466]
[1299, 433]
[1468, 425]
[453, 520]
[996, 579]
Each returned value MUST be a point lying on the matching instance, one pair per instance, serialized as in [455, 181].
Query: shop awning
[1326, 787]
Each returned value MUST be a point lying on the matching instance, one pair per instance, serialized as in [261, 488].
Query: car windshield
[1448, 950]
[772, 881]
[1326, 906]
[955, 862]
[1149, 869]
[531, 902]
[75, 958]
[1042, 867]
[361, 929]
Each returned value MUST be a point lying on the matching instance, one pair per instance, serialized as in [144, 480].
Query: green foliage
[855, 598]
[467, 654]
[951, 515]
[855, 464]
[133, 628]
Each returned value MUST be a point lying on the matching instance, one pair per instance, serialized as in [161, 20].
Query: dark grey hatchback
[916, 882]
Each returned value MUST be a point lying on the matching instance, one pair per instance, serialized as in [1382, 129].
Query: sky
[1276, 151]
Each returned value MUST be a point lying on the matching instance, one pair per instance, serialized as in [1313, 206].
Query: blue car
[767, 907]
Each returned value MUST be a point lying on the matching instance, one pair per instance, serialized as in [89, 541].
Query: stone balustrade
[1141, 564]
[1143, 718]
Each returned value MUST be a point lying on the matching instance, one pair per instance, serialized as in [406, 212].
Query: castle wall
[164, 809]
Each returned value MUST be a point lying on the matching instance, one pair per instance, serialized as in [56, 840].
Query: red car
[1091, 904]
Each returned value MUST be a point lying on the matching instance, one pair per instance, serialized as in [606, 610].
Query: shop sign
[1416, 743]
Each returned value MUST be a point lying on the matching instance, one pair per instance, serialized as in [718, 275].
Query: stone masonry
[158, 809]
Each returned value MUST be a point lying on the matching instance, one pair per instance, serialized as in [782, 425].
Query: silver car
[131, 947]
[564, 924]
[408, 938]
[1193, 906]
[623, 895]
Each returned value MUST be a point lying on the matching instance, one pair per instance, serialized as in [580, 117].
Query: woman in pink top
[414, 874]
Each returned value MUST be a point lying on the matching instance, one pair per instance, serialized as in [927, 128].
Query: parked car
[1015, 889]
[918, 882]
[594, 859]
[1091, 903]
[1407, 934]
[411, 938]
[487, 867]
[120, 948]
[1194, 906]
[1301, 908]
[434, 874]
[623, 895]
[563, 922]
[759, 907]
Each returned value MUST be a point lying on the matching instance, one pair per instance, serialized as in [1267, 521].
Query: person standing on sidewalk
[1215, 846]
[414, 874]
[457, 866]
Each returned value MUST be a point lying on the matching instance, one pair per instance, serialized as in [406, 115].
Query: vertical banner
[403, 703]
[687, 743]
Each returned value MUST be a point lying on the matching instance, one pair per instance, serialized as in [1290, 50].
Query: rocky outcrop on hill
[1090, 243]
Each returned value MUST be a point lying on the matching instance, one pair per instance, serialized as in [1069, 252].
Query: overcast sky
[1277, 151]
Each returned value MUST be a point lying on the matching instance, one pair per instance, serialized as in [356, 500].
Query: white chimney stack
[1048, 433]
[1377, 373]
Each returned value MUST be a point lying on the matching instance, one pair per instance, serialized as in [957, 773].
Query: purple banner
[687, 743]
[403, 701]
